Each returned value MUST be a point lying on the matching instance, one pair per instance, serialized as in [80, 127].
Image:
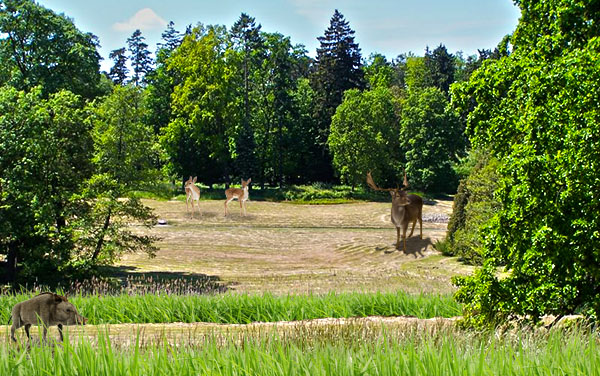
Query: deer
[192, 193]
[241, 194]
[406, 208]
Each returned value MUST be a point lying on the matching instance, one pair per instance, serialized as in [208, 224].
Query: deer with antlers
[192, 193]
[241, 194]
[406, 208]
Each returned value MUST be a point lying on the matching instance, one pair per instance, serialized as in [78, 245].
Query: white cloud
[315, 11]
[144, 19]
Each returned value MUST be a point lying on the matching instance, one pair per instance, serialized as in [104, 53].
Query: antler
[405, 182]
[371, 184]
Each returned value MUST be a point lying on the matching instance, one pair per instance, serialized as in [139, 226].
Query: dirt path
[286, 248]
[195, 333]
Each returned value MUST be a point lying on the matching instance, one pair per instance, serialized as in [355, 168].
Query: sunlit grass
[242, 309]
[385, 352]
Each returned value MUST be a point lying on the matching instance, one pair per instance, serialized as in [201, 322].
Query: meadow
[287, 290]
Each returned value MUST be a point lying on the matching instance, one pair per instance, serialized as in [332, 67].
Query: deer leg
[60, 332]
[404, 228]
[413, 228]
[397, 237]
[420, 227]
[227, 202]
[241, 207]
[198, 205]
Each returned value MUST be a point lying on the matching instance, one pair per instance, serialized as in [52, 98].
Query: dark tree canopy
[337, 69]
[141, 61]
[40, 48]
[119, 71]
[440, 66]
[247, 37]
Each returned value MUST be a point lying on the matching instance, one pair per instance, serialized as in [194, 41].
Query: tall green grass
[242, 309]
[449, 352]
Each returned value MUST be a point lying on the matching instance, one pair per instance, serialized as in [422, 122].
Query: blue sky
[389, 27]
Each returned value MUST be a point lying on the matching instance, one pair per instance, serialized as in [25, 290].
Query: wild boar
[47, 309]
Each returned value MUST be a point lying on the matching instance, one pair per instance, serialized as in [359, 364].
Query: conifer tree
[141, 61]
[338, 68]
[440, 68]
[118, 73]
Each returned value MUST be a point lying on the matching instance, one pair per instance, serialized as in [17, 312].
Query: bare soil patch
[284, 248]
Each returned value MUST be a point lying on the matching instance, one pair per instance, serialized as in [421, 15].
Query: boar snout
[80, 320]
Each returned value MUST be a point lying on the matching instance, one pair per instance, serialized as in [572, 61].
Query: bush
[474, 204]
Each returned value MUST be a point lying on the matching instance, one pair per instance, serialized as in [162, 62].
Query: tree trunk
[101, 240]
[10, 272]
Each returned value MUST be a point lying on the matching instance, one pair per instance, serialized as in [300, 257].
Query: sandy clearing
[286, 248]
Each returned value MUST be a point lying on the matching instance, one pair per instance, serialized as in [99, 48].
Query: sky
[389, 27]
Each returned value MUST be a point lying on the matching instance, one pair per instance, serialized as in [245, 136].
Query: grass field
[286, 248]
[289, 290]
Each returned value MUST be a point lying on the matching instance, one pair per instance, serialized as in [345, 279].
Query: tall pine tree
[337, 69]
[440, 68]
[141, 61]
[118, 72]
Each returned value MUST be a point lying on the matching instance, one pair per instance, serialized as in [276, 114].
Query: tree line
[518, 126]
[217, 102]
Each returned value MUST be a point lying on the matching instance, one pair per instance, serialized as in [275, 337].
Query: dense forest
[217, 102]
[518, 126]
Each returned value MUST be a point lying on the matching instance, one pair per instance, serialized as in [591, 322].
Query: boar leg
[27, 326]
[12, 332]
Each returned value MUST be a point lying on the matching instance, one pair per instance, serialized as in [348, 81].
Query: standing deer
[192, 193]
[405, 209]
[241, 194]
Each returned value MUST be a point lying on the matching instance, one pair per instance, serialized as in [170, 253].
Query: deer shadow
[416, 246]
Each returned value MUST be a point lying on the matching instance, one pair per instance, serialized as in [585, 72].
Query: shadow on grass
[179, 283]
[416, 246]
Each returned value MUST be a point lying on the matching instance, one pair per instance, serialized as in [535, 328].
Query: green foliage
[201, 135]
[440, 66]
[416, 73]
[124, 159]
[474, 205]
[45, 159]
[280, 139]
[161, 82]
[537, 111]
[119, 71]
[364, 134]
[337, 69]
[40, 48]
[141, 62]
[431, 140]
[379, 72]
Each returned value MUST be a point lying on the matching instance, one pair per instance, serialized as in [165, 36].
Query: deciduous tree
[537, 111]
[40, 48]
